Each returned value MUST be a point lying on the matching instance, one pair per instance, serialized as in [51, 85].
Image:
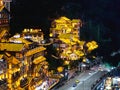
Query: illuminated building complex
[22, 63]
[4, 19]
[65, 35]
[35, 35]
[64, 25]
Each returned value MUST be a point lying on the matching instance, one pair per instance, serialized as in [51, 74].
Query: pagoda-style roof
[11, 47]
[35, 50]
[13, 60]
[39, 59]
[63, 20]
[10, 59]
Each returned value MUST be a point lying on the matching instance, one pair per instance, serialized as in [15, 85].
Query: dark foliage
[103, 13]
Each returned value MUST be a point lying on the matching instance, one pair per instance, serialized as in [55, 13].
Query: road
[86, 79]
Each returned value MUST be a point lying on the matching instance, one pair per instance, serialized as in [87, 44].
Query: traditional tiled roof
[13, 60]
[35, 50]
[10, 59]
[11, 46]
[39, 59]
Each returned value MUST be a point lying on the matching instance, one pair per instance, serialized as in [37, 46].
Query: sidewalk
[81, 76]
[74, 72]
[47, 84]
[71, 73]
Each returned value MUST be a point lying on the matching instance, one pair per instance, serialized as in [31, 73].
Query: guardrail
[95, 87]
[98, 82]
[53, 85]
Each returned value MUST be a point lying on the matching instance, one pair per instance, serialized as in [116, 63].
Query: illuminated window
[1, 2]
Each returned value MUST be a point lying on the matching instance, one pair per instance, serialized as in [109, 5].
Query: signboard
[7, 0]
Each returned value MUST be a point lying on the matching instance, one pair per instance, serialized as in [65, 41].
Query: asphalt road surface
[87, 79]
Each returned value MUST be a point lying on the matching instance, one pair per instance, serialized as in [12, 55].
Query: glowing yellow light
[45, 66]
[25, 30]
[1, 3]
[84, 59]
[60, 69]
[50, 34]
[66, 62]
[31, 30]
[93, 56]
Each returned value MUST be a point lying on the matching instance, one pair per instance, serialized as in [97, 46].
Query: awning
[39, 59]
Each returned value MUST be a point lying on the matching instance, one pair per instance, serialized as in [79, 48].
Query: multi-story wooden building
[4, 19]
[25, 62]
[65, 34]
[36, 35]
[64, 25]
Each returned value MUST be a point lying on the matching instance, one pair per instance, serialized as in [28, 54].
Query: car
[91, 72]
[77, 81]
[100, 69]
[74, 84]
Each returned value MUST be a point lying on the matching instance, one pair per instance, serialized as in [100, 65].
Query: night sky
[40, 13]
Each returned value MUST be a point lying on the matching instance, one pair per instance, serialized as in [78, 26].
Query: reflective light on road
[108, 88]
[118, 79]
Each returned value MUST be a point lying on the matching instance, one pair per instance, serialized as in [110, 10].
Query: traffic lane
[87, 84]
[69, 84]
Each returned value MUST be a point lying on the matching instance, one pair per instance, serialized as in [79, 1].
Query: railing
[98, 83]
[95, 87]
[53, 85]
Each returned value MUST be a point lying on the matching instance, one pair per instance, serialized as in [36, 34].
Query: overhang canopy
[11, 47]
[39, 59]
[35, 50]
